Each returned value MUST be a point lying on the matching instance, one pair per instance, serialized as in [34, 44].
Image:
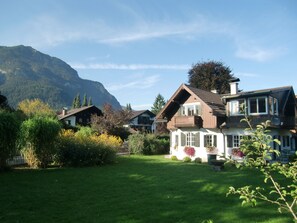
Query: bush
[9, 129]
[187, 159]
[148, 144]
[38, 138]
[198, 160]
[83, 151]
[136, 143]
[174, 158]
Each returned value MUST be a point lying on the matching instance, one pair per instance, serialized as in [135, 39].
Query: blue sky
[139, 48]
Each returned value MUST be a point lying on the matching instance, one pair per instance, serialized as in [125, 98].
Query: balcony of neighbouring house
[187, 121]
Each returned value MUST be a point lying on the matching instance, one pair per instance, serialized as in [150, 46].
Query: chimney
[64, 111]
[234, 86]
[214, 91]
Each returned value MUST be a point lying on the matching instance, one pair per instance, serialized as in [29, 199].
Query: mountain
[26, 73]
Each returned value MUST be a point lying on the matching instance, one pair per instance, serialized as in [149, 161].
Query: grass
[136, 190]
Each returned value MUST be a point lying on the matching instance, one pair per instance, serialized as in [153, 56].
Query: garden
[133, 189]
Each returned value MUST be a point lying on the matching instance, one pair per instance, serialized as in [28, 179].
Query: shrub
[187, 159]
[198, 160]
[83, 150]
[136, 143]
[9, 129]
[148, 144]
[38, 137]
[174, 158]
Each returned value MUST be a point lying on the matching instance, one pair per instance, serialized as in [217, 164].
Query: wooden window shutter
[215, 140]
[183, 139]
[229, 141]
[197, 140]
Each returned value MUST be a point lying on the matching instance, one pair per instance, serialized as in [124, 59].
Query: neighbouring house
[210, 123]
[79, 116]
[142, 121]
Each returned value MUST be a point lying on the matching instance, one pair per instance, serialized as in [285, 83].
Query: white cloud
[258, 53]
[141, 83]
[112, 66]
[245, 74]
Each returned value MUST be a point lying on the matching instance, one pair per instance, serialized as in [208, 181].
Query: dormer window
[258, 106]
[273, 103]
[236, 107]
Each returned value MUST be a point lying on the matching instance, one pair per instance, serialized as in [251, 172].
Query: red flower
[190, 151]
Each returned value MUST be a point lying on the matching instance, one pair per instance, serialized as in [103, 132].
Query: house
[79, 116]
[206, 120]
[142, 120]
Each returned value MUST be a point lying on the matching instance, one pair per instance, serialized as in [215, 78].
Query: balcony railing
[187, 121]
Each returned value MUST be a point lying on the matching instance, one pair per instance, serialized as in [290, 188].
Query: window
[286, 141]
[273, 103]
[210, 140]
[258, 105]
[190, 139]
[191, 109]
[237, 107]
[233, 141]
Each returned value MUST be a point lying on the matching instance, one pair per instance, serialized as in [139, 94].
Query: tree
[209, 76]
[35, 107]
[90, 101]
[85, 102]
[38, 137]
[9, 129]
[76, 101]
[128, 107]
[280, 179]
[158, 104]
[112, 122]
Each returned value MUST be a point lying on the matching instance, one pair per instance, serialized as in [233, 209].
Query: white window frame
[210, 140]
[190, 139]
[236, 140]
[273, 103]
[257, 101]
[191, 109]
[235, 107]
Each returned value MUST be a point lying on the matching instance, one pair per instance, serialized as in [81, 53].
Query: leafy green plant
[148, 144]
[198, 160]
[83, 150]
[174, 158]
[257, 149]
[9, 129]
[187, 159]
[38, 137]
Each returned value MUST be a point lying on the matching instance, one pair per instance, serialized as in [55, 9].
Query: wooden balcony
[187, 121]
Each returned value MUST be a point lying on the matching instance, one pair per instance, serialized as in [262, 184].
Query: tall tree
[128, 107]
[76, 101]
[85, 101]
[212, 75]
[158, 104]
[90, 101]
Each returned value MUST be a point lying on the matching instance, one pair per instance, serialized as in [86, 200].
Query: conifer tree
[85, 103]
[90, 101]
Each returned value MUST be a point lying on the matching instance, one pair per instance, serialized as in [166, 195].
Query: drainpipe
[224, 143]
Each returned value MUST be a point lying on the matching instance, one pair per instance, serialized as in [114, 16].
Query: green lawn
[136, 189]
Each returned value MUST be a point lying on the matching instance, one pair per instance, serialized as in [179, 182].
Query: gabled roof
[213, 100]
[75, 111]
[134, 114]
